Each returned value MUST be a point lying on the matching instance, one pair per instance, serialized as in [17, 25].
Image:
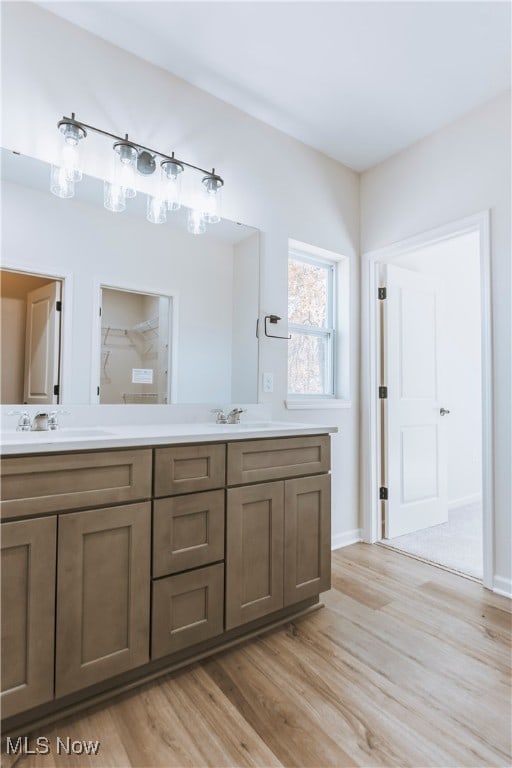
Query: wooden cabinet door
[103, 595]
[28, 613]
[187, 609]
[307, 535]
[254, 552]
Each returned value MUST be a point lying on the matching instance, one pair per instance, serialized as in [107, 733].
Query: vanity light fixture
[129, 159]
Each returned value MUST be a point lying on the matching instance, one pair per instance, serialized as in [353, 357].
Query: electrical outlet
[268, 382]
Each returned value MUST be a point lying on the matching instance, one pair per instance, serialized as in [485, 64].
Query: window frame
[329, 332]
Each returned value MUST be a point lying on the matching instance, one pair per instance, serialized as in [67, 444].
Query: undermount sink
[248, 425]
[46, 435]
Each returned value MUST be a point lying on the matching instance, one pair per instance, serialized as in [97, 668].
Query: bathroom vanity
[130, 553]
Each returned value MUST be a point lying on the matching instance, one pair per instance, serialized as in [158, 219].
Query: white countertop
[133, 436]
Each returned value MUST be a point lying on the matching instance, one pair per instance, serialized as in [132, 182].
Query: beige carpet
[456, 544]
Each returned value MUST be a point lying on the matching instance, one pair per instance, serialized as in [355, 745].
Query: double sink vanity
[128, 551]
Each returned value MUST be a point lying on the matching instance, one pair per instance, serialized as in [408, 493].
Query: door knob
[444, 411]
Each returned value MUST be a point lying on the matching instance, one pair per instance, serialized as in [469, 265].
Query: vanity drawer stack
[188, 546]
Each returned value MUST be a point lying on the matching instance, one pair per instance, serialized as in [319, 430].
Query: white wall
[456, 266]
[456, 172]
[272, 182]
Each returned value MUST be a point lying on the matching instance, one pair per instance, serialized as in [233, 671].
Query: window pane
[309, 364]
[308, 294]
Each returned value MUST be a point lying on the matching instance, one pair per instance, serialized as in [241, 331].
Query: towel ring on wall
[274, 319]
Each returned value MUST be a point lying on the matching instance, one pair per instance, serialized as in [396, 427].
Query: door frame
[370, 365]
[132, 287]
[66, 321]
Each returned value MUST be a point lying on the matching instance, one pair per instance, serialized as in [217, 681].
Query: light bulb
[171, 183]
[125, 167]
[114, 198]
[156, 210]
[196, 225]
[60, 183]
[211, 198]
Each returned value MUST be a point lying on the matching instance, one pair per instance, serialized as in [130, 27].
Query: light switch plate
[268, 382]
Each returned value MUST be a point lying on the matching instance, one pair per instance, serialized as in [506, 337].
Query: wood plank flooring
[407, 665]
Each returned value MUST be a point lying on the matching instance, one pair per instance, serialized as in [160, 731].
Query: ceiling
[358, 81]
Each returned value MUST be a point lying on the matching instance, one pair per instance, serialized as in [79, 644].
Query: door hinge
[100, 312]
[383, 294]
[58, 306]
[383, 393]
[56, 389]
[98, 391]
[383, 493]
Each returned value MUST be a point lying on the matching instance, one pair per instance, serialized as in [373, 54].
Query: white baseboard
[464, 500]
[502, 586]
[346, 538]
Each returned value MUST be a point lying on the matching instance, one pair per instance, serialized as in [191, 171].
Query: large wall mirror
[102, 307]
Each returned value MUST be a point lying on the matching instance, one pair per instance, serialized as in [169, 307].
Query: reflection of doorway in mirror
[31, 330]
[134, 347]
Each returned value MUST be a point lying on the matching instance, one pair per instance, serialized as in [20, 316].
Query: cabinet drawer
[33, 485]
[253, 461]
[188, 531]
[187, 609]
[189, 468]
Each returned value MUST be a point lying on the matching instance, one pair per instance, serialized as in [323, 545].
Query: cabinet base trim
[75, 703]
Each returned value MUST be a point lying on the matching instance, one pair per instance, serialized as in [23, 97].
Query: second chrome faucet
[233, 417]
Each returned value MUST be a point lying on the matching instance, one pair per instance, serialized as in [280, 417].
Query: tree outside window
[311, 325]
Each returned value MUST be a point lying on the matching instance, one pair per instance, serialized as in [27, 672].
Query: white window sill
[317, 403]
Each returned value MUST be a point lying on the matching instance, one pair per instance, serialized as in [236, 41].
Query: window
[311, 323]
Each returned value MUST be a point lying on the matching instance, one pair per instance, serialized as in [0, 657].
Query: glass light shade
[114, 198]
[171, 183]
[60, 183]
[70, 160]
[211, 199]
[70, 152]
[125, 167]
[156, 210]
[196, 225]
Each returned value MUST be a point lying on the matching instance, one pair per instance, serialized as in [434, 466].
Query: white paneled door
[42, 345]
[413, 432]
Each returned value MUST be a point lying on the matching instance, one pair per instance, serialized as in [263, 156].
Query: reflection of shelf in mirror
[116, 333]
[147, 326]
[104, 375]
[141, 397]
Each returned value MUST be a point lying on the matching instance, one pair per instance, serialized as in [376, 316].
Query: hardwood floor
[407, 665]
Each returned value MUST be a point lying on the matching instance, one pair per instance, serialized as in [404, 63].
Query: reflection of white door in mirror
[31, 332]
[42, 343]
[135, 337]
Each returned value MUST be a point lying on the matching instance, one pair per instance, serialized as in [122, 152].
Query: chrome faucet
[24, 422]
[221, 416]
[40, 422]
[44, 420]
[233, 416]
